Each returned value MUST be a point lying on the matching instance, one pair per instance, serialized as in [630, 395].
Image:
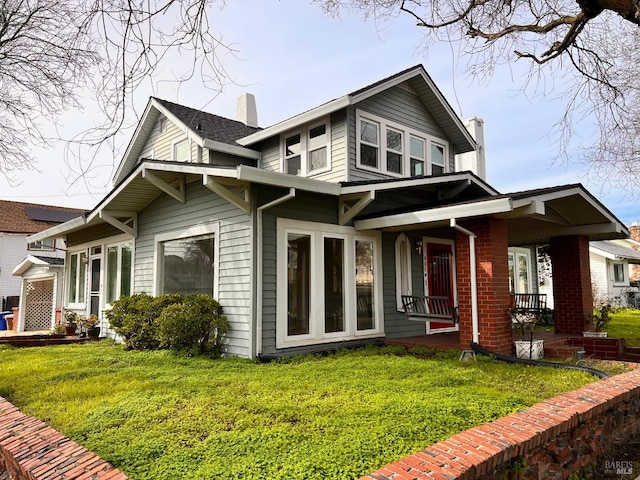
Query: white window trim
[516, 252]
[625, 280]
[77, 305]
[319, 231]
[175, 143]
[105, 259]
[304, 148]
[398, 247]
[195, 231]
[407, 132]
[33, 248]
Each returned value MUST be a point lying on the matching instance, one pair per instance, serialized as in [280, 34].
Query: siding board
[234, 244]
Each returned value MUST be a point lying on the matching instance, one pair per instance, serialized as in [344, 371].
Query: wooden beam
[177, 193]
[239, 199]
[109, 217]
[346, 211]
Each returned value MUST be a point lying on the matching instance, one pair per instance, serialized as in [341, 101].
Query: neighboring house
[610, 267]
[309, 231]
[18, 220]
[610, 264]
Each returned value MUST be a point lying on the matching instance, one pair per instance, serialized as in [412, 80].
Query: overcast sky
[293, 58]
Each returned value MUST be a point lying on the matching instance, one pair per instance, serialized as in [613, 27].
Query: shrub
[195, 326]
[135, 318]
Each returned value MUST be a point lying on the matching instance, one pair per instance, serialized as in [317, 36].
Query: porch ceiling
[407, 195]
[532, 217]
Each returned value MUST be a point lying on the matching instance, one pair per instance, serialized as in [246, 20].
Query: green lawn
[626, 324]
[158, 416]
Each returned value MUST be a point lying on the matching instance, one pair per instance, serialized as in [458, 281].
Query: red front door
[439, 278]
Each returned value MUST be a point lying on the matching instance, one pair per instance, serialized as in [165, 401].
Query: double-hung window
[329, 284]
[397, 150]
[306, 152]
[186, 261]
[77, 277]
[118, 271]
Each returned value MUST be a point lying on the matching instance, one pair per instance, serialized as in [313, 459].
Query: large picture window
[77, 277]
[186, 261]
[118, 271]
[329, 286]
[405, 150]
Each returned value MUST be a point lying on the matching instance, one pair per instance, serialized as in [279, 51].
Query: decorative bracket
[350, 205]
[130, 226]
[239, 198]
[177, 193]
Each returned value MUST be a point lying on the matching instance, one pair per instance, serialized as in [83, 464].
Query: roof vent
[247, 112]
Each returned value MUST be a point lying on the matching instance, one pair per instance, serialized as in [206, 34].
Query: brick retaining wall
[30, 450]
[555, 437]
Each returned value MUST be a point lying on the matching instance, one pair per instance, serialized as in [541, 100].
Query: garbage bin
[3, 320]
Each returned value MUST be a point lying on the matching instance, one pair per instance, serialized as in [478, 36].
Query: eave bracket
[351, 205]
[233, 191]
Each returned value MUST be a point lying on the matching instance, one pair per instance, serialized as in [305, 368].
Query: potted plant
[70, 322]
[90, 325]
[525, 322]
[59, 330]
[600, 319]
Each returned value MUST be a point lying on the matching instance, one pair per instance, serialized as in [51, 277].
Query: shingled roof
[208, 125]
[28, 218]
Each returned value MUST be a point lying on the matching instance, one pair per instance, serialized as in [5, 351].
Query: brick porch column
[492, 278]
[572, 295]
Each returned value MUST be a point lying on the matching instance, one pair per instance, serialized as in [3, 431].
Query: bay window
[329, 284]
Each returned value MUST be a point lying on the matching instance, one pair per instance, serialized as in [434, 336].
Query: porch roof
[533, 216]
[615, 252]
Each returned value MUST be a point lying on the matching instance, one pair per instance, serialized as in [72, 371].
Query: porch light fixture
[419, 246]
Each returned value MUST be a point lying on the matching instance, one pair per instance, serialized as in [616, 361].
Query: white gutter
[273, 203]
[474, 286]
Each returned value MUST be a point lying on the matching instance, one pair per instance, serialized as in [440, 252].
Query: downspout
[474, 286]
[273, 203]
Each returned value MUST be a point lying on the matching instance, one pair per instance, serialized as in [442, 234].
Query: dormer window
[306, 152]
[404, 151]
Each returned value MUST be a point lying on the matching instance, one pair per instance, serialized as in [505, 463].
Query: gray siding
[395, 323]
[398, 105]
[272, 151]
[324, 210]
[234, 244]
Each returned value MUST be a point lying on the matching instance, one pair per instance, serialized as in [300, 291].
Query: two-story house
[309, 231]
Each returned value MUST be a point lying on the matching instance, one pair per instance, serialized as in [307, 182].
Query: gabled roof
[614, 251]
[421, 83]
[39, 260]
[208, 125]
[28, 218]
[206, 129]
